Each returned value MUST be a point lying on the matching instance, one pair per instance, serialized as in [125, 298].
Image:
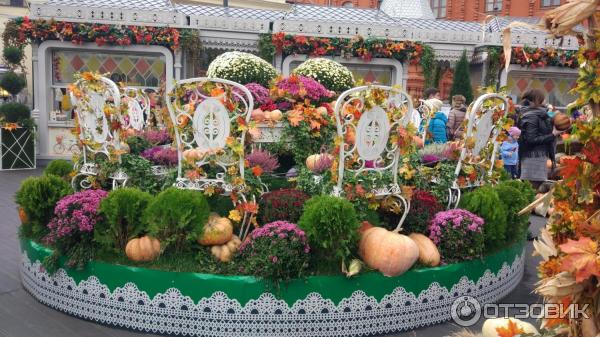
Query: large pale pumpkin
[389, 252]
[490, 326]
[143, 249]
[428, 252]
[217, 231]
[225, 252]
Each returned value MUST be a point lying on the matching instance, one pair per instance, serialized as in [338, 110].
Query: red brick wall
[474, 10]
[356, 3]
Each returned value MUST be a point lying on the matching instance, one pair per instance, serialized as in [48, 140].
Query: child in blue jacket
[509, 151]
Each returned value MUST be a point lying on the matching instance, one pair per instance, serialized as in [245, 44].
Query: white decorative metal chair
[425, 110]
[485, 121]
[97, 104]
[137, 106]
[210, 117]
[375, 149]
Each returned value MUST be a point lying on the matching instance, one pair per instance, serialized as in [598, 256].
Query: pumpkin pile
[218, 233]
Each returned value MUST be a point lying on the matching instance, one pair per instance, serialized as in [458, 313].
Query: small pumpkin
[313, 160]
[491, 325]
[23, 216]
[562, 122]
[257, 115]
[274, 115]
[389, 252]
[225, 252]
[428, 252]
[217, 231]
[143, 249]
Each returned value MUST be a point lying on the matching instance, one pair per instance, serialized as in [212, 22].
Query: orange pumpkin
[428, 252]
[23, 216]
[143, 249]
[257, 115]
[313, 160]
[389, 252]
[562, 122]
[274, 115]
[225, 252]
[217, 231]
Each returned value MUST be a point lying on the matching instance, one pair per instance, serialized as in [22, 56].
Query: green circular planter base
[212, 305]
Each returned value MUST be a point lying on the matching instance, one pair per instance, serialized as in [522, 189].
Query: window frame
[438, 10]
[552, 3]
[497, 6]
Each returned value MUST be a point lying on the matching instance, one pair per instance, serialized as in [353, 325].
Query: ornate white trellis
[92, 98]
[485, 118]
[425, 110]
[207, 114]
[373, 149]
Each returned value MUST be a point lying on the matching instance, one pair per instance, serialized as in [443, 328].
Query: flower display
[424, 206]
[332, 75]
[242, 68]
[285, 204]
[278, 251]
[542, 57]
[261, 95]
[358, 46]
[298, 88]
[71, 228]
[458, 234]
[159, 155]
[267, 162]
[102, 34]
[157, 137]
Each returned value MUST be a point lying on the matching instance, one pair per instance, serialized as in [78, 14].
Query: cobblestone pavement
[23, 316]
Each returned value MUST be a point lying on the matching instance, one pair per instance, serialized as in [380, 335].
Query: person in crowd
[456, 117]
[437, 124]
[538, 138]
[430, 93]
[509, 152]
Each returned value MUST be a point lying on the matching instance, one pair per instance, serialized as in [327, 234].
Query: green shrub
[123, 211]
[60, 168]
[515, 195]
[461, 84]
[137, 144]
[331, 225]
[332, 75]
[13, 82]
[38, 197]
[242, 68]
[285, 204]
[13, 112]
[139, 172]
[177, 217]
[13, 55]
[485, 202]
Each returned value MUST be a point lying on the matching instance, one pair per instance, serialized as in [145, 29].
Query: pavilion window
[493, 5]
[550, 3]
[439, 8]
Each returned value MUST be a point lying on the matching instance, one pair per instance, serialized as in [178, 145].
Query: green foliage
[266, 49]
[332, 75]
[284, 204]
[177, 217]
[461, 85]
[122, 211]
[191, 45]
[307, 183]
[429, 65]
[243, 68]
[60, 168]
[139, 171]
[485, 202]
[13, 82]
[13, 112]
[137, 144]
[443, 173]
[38, 197]
[331, 226]
[491, 77]
[515, 195]
[13, 55]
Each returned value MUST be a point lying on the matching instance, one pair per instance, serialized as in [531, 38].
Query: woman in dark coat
[538, 138]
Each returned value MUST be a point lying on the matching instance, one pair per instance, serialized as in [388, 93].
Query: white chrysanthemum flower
[242, 67]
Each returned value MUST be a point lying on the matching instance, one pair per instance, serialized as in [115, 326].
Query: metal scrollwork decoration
[137, 109]
[426, 111]
[486, 118]
[210, 118]
[97, 102]
[372, 123]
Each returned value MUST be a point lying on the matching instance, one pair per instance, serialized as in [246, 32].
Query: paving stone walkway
[23, 316]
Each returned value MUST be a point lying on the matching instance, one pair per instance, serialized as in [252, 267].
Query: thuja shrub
[331, 225]
[515, 195]
[177, 217]
[284, 204]
[277, 251]
[485, 202]
[38, 197]
[60, 168]
[122, 211]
